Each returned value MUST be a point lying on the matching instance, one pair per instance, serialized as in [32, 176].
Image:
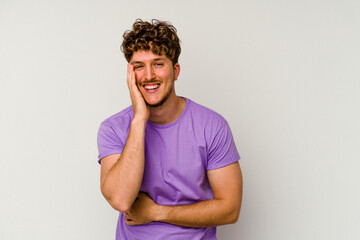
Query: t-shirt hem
[107, 154]
[224, 164]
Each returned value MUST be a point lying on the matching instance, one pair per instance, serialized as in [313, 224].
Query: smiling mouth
[151, 86]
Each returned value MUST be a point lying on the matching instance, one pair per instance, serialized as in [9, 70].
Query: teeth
[151, 87]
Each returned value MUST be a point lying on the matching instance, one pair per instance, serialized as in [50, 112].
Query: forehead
[147, 56]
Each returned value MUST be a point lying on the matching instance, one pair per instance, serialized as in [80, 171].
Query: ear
[176, 71]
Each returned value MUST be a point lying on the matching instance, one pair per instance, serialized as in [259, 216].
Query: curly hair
[158, 36]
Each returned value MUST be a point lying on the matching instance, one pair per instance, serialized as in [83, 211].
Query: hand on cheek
[141, 111]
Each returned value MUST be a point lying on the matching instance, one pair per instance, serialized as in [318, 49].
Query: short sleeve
[108, 141]
[222, 150]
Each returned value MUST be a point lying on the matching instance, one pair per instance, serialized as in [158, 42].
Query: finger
[130, 223]
[132, 80]
[129, 70]
[130, 77]
[143, 195]
[127, 217]
[128, 74]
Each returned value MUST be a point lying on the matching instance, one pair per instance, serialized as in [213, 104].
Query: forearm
[122, 183]
[226, 184]
[202, 214]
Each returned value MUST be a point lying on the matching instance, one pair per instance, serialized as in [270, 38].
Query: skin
[121, 174]
[226, 184]
[152, 68]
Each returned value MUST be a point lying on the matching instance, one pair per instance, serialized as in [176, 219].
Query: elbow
[233, 215]
[117, 202]
[118, 205]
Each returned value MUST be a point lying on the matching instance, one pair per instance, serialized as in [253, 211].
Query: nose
[149, 74]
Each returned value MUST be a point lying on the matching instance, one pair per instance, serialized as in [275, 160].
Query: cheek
[137, 77]
[164, 74]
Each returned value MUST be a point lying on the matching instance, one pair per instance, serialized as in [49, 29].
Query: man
[168, 165]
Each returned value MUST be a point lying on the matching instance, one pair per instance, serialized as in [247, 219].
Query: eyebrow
[153, 60]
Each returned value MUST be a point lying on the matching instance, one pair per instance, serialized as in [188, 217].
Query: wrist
[161, 213]
[138, 122]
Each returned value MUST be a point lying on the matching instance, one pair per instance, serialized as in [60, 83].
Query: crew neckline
[174, 122]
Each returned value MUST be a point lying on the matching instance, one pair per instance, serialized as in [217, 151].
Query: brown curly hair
[158, 36]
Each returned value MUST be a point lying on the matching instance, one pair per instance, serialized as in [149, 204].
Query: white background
[285, 74]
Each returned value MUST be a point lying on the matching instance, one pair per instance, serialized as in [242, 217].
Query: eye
[137, 67]
[159, 64]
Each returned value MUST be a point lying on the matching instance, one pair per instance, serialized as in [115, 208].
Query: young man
[168, 165]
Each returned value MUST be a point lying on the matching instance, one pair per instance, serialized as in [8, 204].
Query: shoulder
[206, 116]
[120, 117]
[119, 122]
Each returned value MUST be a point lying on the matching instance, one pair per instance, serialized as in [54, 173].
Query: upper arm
[106, 164]
[226, 184]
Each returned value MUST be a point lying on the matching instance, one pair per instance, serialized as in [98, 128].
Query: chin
[155, 104]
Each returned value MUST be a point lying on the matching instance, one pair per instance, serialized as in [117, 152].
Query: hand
[142, 211]
[141, 111]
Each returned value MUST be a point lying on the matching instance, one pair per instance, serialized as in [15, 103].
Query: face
[155, 76]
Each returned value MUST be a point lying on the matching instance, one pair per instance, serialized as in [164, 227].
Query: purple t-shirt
[177, 156]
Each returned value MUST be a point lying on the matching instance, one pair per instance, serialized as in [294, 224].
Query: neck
[167, 112]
